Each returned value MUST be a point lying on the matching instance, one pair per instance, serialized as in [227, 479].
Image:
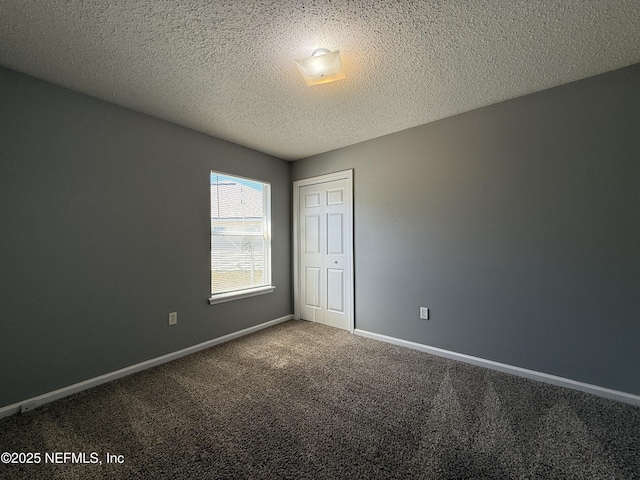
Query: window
[240, 237]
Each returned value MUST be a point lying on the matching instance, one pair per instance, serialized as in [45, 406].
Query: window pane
[240, 250]
[237, 262]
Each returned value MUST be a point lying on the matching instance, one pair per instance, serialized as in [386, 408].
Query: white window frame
[267, 287]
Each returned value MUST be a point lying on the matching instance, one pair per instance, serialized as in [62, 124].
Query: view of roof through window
[233, 197]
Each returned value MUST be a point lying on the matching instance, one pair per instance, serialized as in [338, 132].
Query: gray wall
[518, 224]
[104, 229]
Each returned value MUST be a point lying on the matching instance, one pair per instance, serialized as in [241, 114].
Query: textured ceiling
[226, 67]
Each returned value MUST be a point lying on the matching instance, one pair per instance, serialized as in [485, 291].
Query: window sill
[227, 297]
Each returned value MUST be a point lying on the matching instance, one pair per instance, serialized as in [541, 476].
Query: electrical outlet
[173, 318]
[27, 407]
[424, 313]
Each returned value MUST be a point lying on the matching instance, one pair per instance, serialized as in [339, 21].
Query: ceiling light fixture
[322, 66]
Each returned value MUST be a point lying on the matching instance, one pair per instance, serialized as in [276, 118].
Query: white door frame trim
[343, 175]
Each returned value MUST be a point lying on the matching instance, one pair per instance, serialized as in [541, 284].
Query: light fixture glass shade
[322, 67]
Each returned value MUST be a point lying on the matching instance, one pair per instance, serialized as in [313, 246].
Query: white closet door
[325, 263]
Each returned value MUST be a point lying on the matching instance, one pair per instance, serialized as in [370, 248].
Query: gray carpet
[303, 401]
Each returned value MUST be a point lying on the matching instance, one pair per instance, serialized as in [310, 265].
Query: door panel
[312, 282]
[335, 290]
[312, 200]
[335, 233]
[312, 236]
[335, 196]
[325, 263]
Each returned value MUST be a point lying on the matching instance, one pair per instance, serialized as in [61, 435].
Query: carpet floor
[304, 401]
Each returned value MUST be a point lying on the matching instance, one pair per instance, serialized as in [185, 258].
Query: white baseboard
[33, 402]
[503, 367]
